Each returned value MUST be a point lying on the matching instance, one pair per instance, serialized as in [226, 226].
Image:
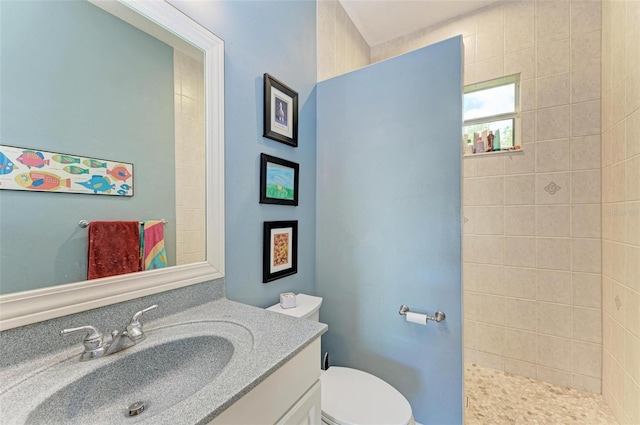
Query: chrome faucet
[93, 342]
[95, 345]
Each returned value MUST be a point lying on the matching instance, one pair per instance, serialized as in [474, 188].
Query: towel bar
[85, 223]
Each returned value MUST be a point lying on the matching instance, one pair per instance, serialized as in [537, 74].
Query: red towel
[114, 248]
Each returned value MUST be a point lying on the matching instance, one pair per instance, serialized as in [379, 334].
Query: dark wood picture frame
[279, 238]
[280, 112]
[276, 181]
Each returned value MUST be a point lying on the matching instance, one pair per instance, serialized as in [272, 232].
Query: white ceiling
[384, 20]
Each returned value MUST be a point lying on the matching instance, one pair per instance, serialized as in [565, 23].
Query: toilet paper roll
[418, 318]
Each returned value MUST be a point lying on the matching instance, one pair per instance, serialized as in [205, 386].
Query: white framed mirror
[156, 18]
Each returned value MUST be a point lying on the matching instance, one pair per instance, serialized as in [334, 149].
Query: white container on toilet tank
[288, 300]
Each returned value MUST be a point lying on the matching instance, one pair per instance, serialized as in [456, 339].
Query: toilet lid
[354, 397]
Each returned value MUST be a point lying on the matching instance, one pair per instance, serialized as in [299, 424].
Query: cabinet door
[274, 397]
[306, 411]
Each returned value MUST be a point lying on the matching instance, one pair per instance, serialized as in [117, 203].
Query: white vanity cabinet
[289, 396]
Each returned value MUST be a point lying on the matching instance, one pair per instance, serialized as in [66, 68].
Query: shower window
[491, 112]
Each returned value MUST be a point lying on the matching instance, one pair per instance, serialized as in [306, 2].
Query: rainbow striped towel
[155, 256]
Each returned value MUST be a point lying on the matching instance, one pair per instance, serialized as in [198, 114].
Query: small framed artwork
[278, 181]
[280, 250]
[280, 112]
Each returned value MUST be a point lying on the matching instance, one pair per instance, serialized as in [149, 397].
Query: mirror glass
[80, 82]
[39, 232]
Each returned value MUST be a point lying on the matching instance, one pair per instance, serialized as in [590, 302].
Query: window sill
[493, 153]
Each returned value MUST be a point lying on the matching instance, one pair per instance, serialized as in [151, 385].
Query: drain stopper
[136, 408]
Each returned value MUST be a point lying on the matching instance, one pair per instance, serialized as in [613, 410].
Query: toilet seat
[354, 397]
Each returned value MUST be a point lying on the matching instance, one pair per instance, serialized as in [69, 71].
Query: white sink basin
[170, 366]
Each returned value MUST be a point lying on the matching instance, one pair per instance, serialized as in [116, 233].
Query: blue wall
[389, 223]
[84, 83]
[278, 37]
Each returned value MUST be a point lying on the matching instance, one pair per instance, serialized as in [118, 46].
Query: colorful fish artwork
[38, 170]
[119, 172]
[98, 184]
[32, 159]
[6, 165]
[72, 169]
[94, 163]
[40, 180]
[65, 159]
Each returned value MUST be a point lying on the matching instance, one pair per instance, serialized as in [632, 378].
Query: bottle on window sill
[490, 138]
[468, 148]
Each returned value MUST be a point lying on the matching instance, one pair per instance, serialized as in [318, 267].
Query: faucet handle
[93, 341]
[134, 329]
[92, 334]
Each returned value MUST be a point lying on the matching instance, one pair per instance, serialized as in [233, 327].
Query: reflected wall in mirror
[87, 83]
[138, 82]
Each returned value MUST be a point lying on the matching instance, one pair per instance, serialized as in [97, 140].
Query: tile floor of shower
[495, 398]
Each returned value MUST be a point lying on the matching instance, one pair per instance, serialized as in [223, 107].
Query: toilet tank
[307, 307]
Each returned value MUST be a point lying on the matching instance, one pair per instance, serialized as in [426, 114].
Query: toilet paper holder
[439, 316]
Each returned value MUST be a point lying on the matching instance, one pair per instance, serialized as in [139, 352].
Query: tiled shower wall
[532, 231]
[341, 47]
[621, 207]
[190, 159]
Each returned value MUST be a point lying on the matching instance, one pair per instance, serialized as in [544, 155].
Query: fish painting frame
[280, 112]
[279, 181]
[280, 250]
[38, 170]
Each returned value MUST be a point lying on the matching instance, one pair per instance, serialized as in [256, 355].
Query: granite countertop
[262, 342]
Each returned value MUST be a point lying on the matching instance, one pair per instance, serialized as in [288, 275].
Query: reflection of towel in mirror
[113, 248]
[155, 256]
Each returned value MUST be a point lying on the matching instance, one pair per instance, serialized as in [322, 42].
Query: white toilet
[351, 396]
